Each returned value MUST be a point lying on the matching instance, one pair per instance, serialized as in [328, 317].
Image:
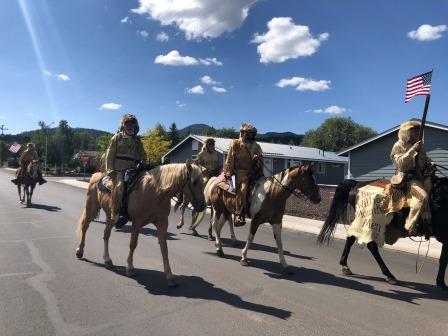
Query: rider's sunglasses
[129, 123]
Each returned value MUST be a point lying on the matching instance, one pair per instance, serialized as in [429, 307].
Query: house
[330, 169]
[369, 159]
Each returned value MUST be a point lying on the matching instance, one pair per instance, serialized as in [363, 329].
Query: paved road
[46, 290]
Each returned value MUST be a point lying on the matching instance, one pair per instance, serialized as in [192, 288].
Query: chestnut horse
[149, 202]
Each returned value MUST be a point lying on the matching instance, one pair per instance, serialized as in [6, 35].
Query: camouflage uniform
[211, 161]
[240, 162]
[403, 155]
[124, 152]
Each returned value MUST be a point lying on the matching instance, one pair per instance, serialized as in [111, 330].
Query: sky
[282, 65]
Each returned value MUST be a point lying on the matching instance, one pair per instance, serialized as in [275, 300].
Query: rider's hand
[417, 146]
[432, 165]
[111, 174]
[256, 157]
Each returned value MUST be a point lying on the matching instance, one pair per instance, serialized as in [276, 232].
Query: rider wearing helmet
[244, 160]
[125, 151]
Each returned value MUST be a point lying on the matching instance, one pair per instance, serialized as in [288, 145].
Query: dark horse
[346, 194]
[28, 179]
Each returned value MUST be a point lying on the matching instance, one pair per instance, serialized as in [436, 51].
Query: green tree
[227, 133]
[162, 130]
[155, 145]
[64, 142]
[173, 135]
[337, 133]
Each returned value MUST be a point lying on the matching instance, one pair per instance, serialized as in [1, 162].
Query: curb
[312, 226]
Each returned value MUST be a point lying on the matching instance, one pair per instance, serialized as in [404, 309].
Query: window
[321, 168]
[293, 163]
[195, 145]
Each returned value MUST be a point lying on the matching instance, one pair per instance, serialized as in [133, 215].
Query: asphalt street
[46, 290]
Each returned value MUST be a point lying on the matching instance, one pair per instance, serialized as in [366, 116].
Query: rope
[419, 269]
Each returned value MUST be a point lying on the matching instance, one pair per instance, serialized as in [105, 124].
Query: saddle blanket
[370, 218]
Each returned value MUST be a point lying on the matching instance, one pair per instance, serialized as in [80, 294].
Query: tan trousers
[419, 204]
[242, 184]
[117, 194]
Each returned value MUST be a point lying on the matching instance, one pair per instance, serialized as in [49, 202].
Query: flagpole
[425, 112]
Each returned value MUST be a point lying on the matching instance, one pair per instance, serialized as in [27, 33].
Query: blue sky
[283, 65]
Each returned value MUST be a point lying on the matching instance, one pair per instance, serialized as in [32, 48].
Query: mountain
[199, 129]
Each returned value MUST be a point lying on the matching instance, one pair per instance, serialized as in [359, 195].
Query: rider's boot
[41, 179]
[122, 218]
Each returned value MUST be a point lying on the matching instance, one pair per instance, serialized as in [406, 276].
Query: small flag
[418, 86]
[15, 147]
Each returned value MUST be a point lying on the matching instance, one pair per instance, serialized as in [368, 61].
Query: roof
[389, 131]
[273, 150]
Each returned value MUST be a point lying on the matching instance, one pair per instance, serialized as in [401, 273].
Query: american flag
[418, 86]
[15, 147]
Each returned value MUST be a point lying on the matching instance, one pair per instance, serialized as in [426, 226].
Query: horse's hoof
[442, 286]
[288, 270]
[130, 272]
[108, 264]
[195, 233]
[211, 238]
[79, 253]
[346, 270]
[391, 280]
[171, 283]
[220, 253]
[244, 262]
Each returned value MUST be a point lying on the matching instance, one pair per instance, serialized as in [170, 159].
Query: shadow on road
[50, 208]
[307, 275]
[146, 231]
[195, 287]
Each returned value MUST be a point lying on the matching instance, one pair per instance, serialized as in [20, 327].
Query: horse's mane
[439, 192]
[170, 176]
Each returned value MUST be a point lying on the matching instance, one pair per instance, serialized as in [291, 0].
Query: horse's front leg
[28, 198]
[162, 228]
[443, 261]
[232, 232]
[344, 257]
[107, 230]
[182, 213]
[218, 222]
[253, 230]
[31, 193]
[277, 229]
[373, 248]
[132, 246]
[19, 190]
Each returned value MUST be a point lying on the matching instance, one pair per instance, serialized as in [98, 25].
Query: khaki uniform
[210, 161]
[124, 152]
[404, 158]
[26, 158]
[239, 163]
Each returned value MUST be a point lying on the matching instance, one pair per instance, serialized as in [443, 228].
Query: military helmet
[129, 118]
[404, 133]
[248, 128]
[207, 140]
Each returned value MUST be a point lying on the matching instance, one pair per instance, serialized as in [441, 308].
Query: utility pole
[45, 127]
[2, 128]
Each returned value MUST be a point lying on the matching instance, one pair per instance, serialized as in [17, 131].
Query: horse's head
[194, 187]
[302, 178]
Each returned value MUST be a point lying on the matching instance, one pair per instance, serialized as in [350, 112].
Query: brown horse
[267, 205]
[28, 179]
[149, 202]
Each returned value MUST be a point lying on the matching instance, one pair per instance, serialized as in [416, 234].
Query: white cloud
[180, 104]
[208, 80]
[197, 18]
[63, 77]
[176, 59]
[219, 89]
[304, 84]
[143, 33]
[427, 32]
[29, 114]
[333, 109]
[162, 37]
[46, 73]
[125, 20]
[198, 89]
[110, 106]
[210, 61]
[285, 40]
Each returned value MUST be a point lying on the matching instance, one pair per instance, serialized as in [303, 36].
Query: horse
[149, 202]
[28, 179]
[198, 217]
[267, 205]
[345, 196]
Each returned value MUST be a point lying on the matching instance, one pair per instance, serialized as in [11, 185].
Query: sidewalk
[300, 224]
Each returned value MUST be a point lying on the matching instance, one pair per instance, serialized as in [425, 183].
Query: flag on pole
[15, 147]
[418, 86]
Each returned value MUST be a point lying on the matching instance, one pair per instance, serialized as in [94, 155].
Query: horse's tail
[92, 209]
[200, 215]
[338, 211]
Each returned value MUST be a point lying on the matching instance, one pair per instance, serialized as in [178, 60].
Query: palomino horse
[28, 179]
[149, 202]
[198, 217]
[345, 195]
[267, 205]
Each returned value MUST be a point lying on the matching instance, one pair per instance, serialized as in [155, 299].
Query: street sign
[85, 159]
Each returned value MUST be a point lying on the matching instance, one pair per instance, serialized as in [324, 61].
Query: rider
[407, 154]
[209, 159]
[125, 151]
[244, 160]
[28, 156]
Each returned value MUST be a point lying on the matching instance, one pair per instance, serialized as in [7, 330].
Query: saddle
[131, 177]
